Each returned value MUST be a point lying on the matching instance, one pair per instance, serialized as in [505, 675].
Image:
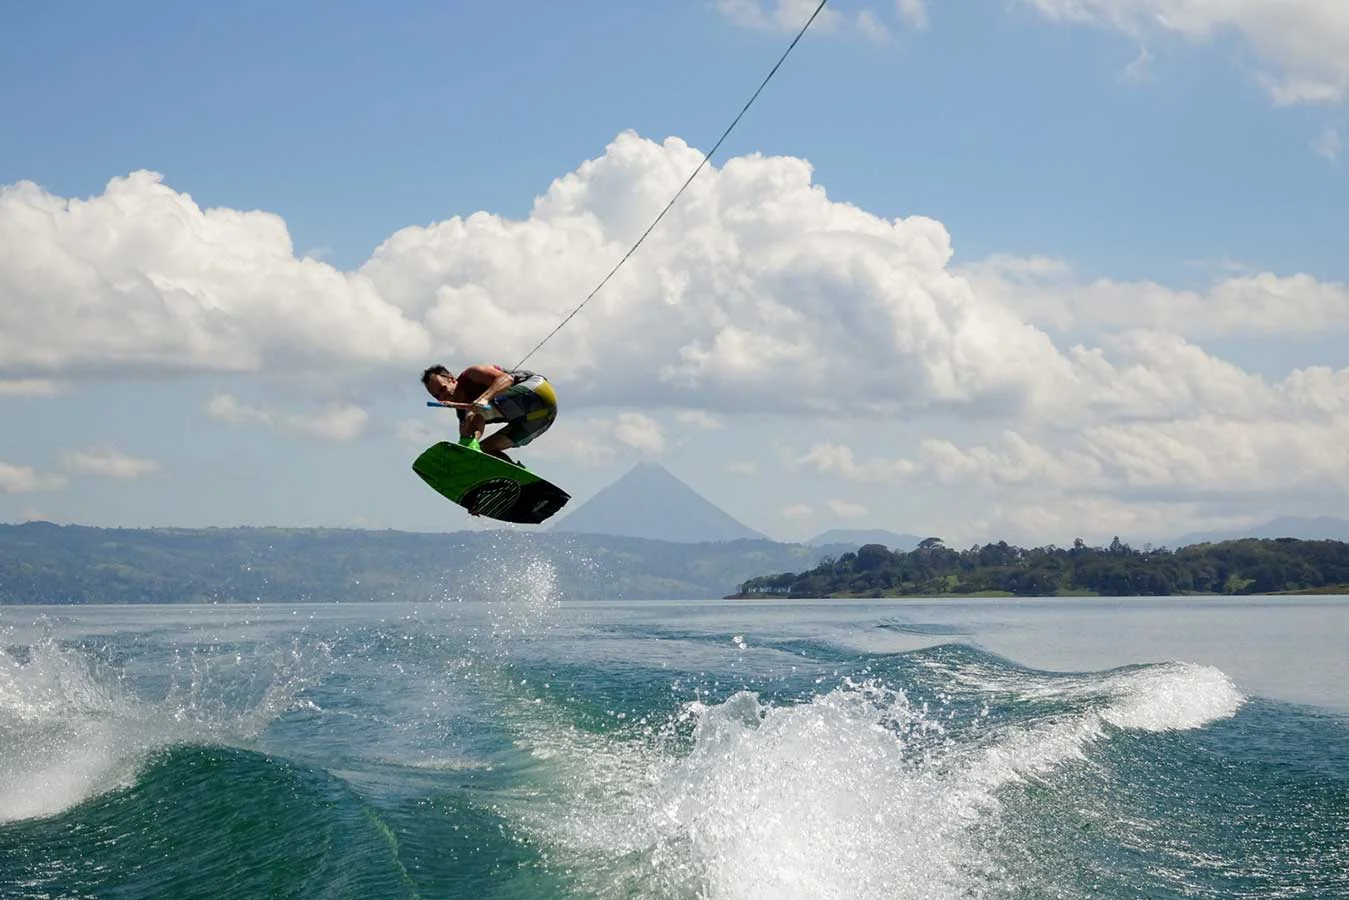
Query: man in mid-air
[483, 394]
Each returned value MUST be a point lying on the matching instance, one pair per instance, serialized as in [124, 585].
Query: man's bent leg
[497, 444]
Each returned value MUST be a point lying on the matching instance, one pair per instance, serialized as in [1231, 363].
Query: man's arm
[496, 379]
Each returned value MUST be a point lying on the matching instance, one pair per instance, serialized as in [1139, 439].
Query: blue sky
[1168, 198]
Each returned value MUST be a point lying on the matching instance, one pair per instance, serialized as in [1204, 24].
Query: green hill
[1248, 566]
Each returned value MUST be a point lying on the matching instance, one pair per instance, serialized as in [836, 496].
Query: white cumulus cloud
[1303, 45]
[640, 432]
[25, 479]
[1046, 292]
[757, 297]
[108, 462]
[1204, 454]
[336, 422]
[755, 280]
[141, 280]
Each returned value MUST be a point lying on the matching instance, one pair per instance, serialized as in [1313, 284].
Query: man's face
[441, 386]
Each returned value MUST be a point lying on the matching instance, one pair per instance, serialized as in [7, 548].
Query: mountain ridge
[860, 536]
[1301, 527]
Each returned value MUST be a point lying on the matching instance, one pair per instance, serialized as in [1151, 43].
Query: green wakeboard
[487, 485]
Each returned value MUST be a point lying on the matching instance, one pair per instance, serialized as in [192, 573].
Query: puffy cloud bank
[757, 293]
[141, 280]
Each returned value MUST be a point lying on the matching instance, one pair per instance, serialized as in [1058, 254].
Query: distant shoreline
[1328, 591]
[1269, 567]
[47, 564]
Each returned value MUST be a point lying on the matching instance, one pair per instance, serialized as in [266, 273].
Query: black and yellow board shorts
[529, 409]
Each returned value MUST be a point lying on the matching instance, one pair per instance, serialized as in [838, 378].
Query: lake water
[523, 746]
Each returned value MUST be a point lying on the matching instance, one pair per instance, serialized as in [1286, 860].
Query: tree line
[1247, 566]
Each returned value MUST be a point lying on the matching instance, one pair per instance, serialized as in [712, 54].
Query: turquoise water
[524, 746]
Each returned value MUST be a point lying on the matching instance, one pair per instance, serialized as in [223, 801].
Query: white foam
[1172, 697]
[1169, 697]
[833, 798]
[71, 728]
[826, 799]
[59, 734]
[854, 794]
[1164, 697]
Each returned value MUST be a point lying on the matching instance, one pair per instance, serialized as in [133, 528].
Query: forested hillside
[45, 563]
[1231, 567]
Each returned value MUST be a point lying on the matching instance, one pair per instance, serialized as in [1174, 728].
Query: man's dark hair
[434, 370]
